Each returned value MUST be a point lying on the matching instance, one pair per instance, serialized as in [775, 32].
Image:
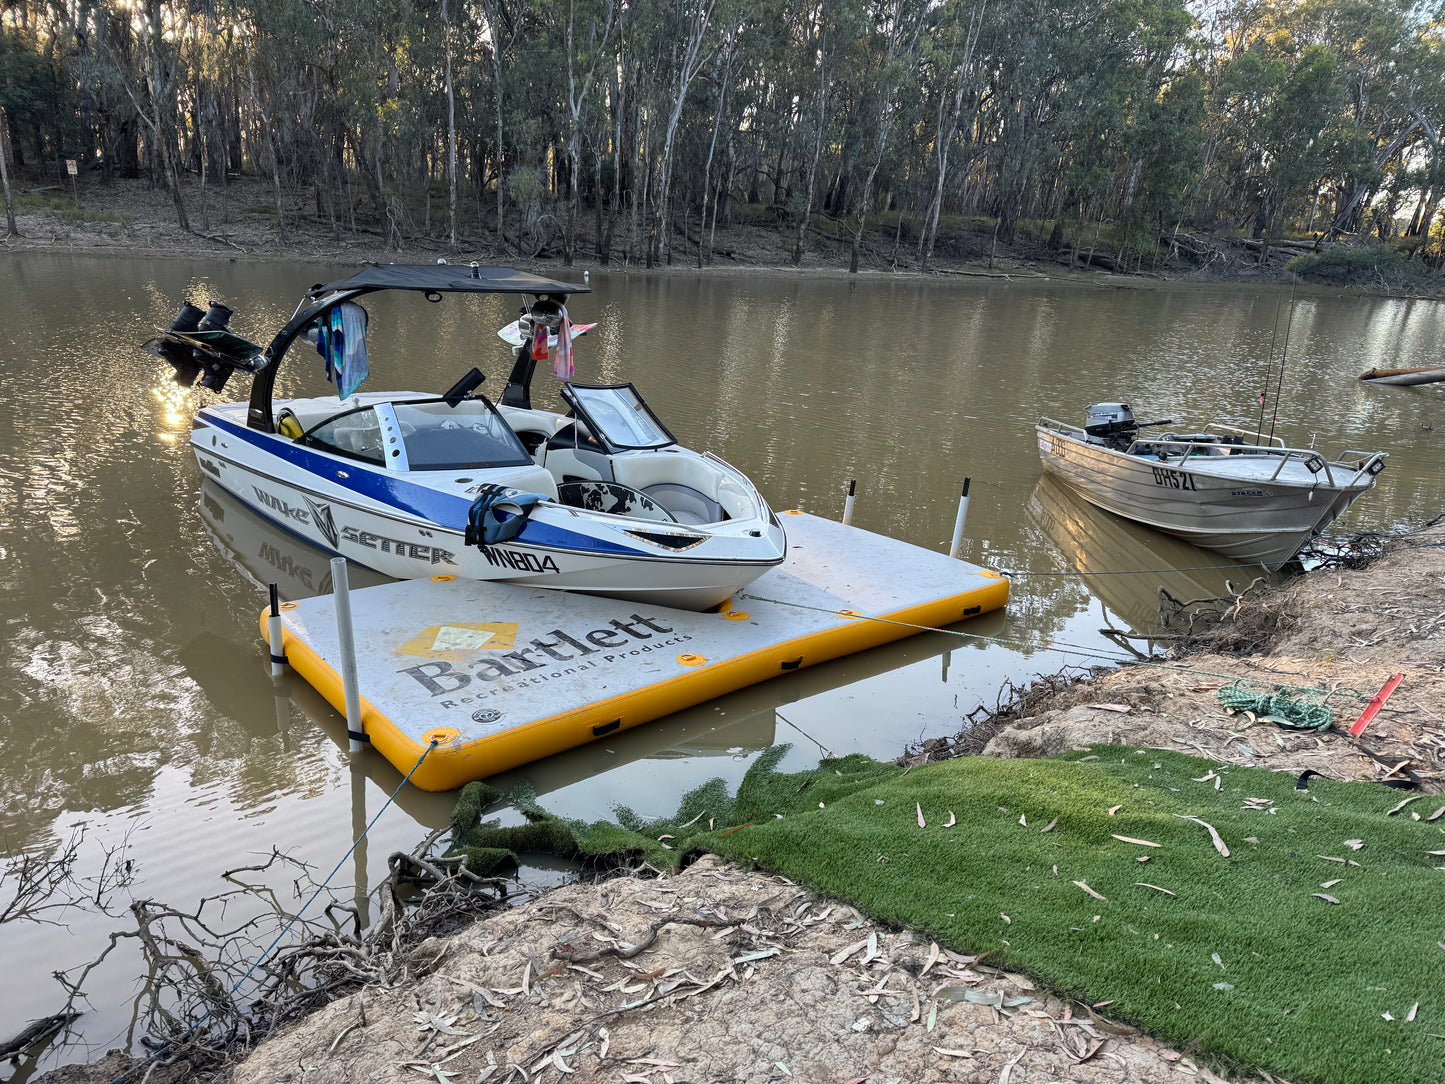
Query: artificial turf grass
[1311, 976]
[1309, 979]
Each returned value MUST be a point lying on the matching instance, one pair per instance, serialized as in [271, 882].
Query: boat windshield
[469, 436]
[617, 413]
[429, 434]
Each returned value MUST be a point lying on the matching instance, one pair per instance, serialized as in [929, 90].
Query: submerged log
[38, 1029]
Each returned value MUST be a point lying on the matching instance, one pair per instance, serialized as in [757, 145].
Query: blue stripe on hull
[421, 501]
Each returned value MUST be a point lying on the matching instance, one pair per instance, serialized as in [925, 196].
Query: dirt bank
[1347, 631]
[750, 979]
[129, 218]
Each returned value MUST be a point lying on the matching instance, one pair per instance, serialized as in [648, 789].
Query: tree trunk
[12, 230]
[451, 136]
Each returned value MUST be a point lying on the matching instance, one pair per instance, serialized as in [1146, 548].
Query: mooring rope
[294, 918]
[1131, 571]
[1051, 645]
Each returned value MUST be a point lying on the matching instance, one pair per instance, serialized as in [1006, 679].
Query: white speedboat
[600, 499]
[1223, 489]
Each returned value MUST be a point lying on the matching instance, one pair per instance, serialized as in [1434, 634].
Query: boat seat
[527, 479]
[689, 487]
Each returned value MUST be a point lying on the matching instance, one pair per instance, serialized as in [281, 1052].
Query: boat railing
[1312, 460]
[1256, 436]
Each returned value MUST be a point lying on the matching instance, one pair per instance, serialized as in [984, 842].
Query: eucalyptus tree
[899, 23]
[958, 81]
[586, 53]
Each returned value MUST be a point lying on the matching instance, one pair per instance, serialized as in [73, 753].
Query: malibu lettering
[439, 678]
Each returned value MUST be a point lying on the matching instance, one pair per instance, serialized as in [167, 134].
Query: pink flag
[562, 367]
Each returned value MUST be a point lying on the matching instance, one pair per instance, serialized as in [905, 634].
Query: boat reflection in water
[1105, 547]
[266, 554]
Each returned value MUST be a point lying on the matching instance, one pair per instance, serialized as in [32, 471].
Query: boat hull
[1254, 520]
[559, 549]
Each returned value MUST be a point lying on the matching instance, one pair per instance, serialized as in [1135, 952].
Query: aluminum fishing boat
[1223, 489]
[598, 498]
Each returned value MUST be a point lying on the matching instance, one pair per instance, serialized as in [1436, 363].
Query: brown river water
[136, 701]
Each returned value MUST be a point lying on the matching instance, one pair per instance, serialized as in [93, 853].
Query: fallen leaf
[1395, 809]
[953, 1053]
[1142, 858]
[1009, 1068]
[1331, 884]
[1090, 891]
[932, 958]
[1324, 896]
[1330, 858]
[951, 820]
[1354, 844]
[842, 954]
[1005, 918]
[932, 1016]
[1437, 814]
[1224, 986]
[1049, 827]
[1156, 888]
[1410, 1016]
[1114, 809]
[1215, 957]
[560, 1064]
[1131, 839]
[1024, 819]
[1386, 1016]
[1120, 708]
[1213, 835]
[921, 822]
[1435, 852]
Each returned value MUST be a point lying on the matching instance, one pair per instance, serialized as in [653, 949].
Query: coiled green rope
[1310, 711]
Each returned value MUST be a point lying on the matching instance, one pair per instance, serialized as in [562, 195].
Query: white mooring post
[273, 630]
[848, 503]
[346, 642]
[960, 520]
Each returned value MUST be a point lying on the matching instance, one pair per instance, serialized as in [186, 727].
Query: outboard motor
[180, 357]
[217, 372]
[1111, 424]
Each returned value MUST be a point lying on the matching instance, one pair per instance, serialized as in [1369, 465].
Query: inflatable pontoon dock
[500, 675]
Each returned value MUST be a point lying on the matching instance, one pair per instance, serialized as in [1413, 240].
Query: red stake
[1376, 703]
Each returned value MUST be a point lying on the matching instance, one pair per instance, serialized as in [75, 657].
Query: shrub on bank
[1356, 265]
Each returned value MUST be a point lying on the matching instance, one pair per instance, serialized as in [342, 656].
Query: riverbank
[752, 977]
[129, 218]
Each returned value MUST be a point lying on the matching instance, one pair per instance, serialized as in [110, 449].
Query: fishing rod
[1269, 362]
[1284, 352]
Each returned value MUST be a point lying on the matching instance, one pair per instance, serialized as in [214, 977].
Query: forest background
[627, 130]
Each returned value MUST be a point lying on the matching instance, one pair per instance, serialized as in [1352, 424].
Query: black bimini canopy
[447, 278]
[439, 278]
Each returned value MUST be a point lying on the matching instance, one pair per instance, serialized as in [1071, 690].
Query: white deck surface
[502, 666]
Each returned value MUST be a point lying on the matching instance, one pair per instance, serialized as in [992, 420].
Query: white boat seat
[688, 486]
[527, 479]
